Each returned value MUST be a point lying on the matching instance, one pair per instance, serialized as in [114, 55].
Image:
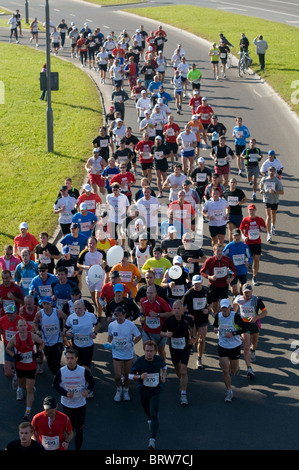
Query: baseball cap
[236, 231]
[225, 303]
[139, 221]
[65, 250]
[158, 137]
[87, 187]
[247, 287]
[83, 206]
[143, 91]
[177, 259]
[204, 98]
[157, 248]
[187, 182]
[47, 299]
[197, 279]
[10, 308]
[271, 152]
[195, 92]
[194, 116]
[172, 229]
[23, 225]
[114, 274]
[252, 206]
[96, 150]
[201, 160]
[118, 288]
[49, 402]
[143, 236]
[74, 225]
[118, 120]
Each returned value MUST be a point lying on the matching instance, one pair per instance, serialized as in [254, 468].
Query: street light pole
[50, 140]
[27, 11]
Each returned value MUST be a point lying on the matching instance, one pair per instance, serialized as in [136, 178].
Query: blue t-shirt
[85, 221]
[241, 134]
[109, 171]
[76, 245]
[238, 252]
[24, 275]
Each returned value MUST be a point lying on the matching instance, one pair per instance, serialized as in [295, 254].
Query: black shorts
[173, 147]
[195, 86]
[205, 125]
[233, 353]
[26, 374]
[55, 44]
[239, 149]
[241, 277]
[252, 328]
[218, 293]
[161, 165]
[180, 356]
[255, 248]
[146, 166]
[85, 355]
[273, 207]
[214, 231]
[103, 67]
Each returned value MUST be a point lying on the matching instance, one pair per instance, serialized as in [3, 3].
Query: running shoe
[255, 282]
[229, 396]
[269, 237]
[118, 395]
[254, 197]
[240, 173]
[20, 394]
[126, 394]
[199, 363]
[273, 231]
[184, 401]
[151, 444]
[250, 372]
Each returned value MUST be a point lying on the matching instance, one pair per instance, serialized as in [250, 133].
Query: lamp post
[50, 140]
[27, 11]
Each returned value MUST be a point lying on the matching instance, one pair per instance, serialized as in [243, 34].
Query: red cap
[252, 206]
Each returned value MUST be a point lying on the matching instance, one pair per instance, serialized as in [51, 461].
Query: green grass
[5, 15]
[114, 2]
[282, 56]
[30, 176]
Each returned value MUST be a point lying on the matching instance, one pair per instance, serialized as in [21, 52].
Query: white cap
[225, 303]
[87, 187]
[177, 259]
[139, 221]
[204, 98]
[23, 225]
[201, 160]
[83, 206]
[194, 116]
[172, 229]
[197, 279]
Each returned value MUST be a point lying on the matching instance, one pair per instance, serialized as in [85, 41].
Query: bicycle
[244, 63]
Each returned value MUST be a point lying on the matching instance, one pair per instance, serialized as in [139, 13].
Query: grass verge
[31, 176]
[282, 56]
[110, 3]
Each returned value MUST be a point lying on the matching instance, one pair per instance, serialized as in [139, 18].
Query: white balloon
[115, 255]
[95, 273]
[175, 272]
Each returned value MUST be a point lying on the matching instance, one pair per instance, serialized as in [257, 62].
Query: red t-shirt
[107, 291]
[170, 131]
[182, 212]
[91, 200]
[16, 291]
[205, 113]
[154, 324]
[9, 328]
[145, 148]
[26, 348]
[52, 437]
[219, 267]
[29, 242]
[126, 180]
[251, 229]
[195, 102]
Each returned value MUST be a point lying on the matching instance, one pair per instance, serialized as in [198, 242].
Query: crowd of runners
[138, 247]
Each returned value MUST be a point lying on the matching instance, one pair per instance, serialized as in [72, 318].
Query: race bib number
[220, 272]
[238, 260]
[199, 304]
[178, 343]
[178, 291]
[152, 322]
[254, 234]
[152, 380]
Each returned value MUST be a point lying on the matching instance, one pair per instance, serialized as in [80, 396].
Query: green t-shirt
[215, 56]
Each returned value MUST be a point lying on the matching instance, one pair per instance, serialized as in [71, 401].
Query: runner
[46, 252]
[214, 53]
[240, 255]
[271, 188]
[21, 347]
[158, 264]
[240, 133]
[197, 302]
[229, 325]
[235, 198]
[24, 240]
[252, 310]
[129, 273]
[151, 371]
[25, 271]
[187, 142]
[65, 206]
[153, 312]
[190, 253]
[222, 155]
[25, 441]
[216, 210]
[205, 112]
[251, 228]
[123, 335]
[52, 428]
[201, 176]
[181, 331]
[252, 157]
[74, 383]
[220, 272]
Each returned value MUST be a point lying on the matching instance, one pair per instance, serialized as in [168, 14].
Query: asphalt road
[264, 413]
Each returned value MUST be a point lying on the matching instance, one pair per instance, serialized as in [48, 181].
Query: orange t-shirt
[196, 127]
[127, 274]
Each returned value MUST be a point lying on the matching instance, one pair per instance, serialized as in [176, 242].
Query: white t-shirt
[117, 207]
[173, 180]
[216, 209]
[123, 335]
[82, 328]
[65, 217]
[149, 210]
